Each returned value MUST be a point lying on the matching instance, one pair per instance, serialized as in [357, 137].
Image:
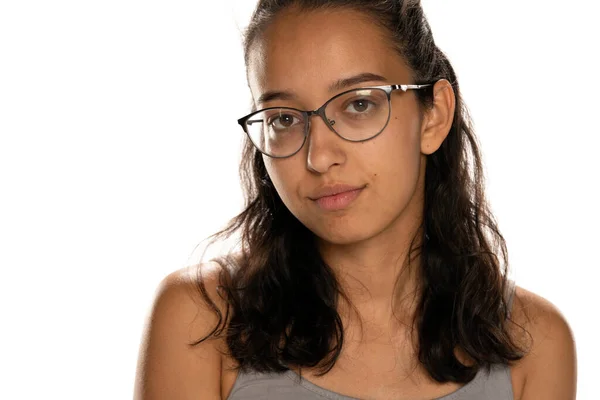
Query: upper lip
[331, 189]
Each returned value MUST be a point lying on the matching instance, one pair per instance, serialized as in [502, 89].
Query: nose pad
[327, 122]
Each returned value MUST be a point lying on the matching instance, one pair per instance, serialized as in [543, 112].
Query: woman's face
[303, 54]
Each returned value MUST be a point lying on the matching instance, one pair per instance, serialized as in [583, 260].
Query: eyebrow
[336, 86]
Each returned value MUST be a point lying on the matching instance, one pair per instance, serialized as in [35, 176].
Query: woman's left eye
[359, 106]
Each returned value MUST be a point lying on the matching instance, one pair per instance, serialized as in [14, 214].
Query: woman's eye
[283, 121]
[360, 106]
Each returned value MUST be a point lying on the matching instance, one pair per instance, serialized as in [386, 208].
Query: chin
[341, 236]
[341, 240]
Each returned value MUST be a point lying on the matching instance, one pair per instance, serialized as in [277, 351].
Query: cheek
[284, 180]
[398, 152]
[395, 164]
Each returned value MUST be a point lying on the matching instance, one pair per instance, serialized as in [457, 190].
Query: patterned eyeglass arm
[407, 87]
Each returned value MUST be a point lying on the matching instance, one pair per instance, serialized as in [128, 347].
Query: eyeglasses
[355, 115]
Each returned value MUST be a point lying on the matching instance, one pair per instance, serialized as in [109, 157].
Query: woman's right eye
[283, 121]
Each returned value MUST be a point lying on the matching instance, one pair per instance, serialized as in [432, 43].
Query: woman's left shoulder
[549, 369]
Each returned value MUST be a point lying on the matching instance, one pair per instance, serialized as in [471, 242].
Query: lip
[332, 190]
[337, 196]
[338, 201]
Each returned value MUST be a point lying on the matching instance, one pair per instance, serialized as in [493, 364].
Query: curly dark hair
[281, 295]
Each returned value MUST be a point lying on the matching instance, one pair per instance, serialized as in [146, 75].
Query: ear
[437, 120]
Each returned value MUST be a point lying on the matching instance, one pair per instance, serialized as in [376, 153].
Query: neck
[376, 276]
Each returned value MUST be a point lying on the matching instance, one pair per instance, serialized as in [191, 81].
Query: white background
[119, 150]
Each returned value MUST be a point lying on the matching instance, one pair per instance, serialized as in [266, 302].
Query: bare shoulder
[169, 365]
[549, 370]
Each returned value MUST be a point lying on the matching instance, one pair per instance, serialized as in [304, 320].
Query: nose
[325, 147]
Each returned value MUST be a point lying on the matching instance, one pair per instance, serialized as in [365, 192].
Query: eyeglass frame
[388, 89]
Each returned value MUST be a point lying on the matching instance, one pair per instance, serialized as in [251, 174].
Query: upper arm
[551, 364]
[168, 368]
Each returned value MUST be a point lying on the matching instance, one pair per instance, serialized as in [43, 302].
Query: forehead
[304, 52]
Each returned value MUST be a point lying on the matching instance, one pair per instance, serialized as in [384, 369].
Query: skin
[367, 242]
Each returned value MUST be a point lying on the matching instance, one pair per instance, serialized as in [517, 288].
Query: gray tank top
[496, 385]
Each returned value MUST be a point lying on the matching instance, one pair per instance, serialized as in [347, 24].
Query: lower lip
[338, 201]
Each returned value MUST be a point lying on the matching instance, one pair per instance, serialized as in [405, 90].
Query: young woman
[370, 264]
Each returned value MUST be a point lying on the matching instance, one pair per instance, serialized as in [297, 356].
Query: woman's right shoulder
[183, 283]
[169, 366]
[179, 293]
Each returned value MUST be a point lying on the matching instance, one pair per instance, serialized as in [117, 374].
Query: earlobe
[438, 119]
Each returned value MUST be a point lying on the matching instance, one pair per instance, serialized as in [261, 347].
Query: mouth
[338, 201]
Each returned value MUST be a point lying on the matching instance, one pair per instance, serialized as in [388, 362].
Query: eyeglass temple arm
[407, 87]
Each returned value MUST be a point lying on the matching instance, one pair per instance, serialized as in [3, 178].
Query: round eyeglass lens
[277, 132]
[360, 114]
